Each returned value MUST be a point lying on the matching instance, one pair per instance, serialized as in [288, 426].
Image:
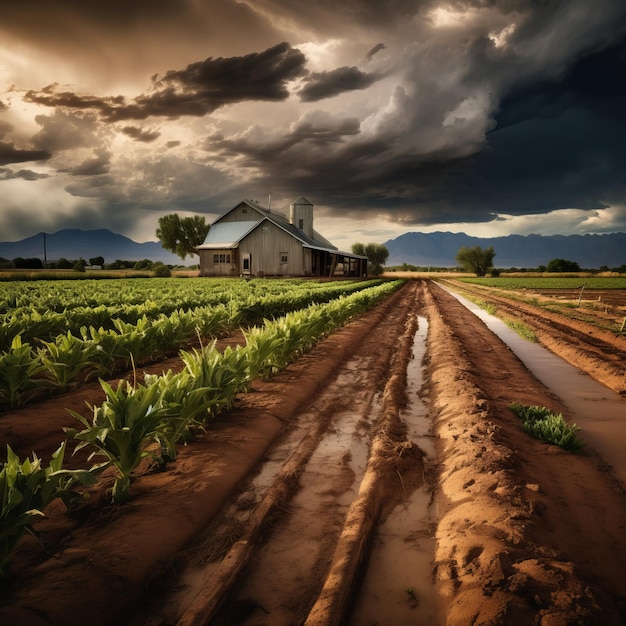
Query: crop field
[599, 301]
[196, 451]
[54, 336]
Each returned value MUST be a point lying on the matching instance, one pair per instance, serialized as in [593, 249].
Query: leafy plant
[183, 405]
[120, 430]
[541, 423]
[19, 368]
[67, 357]
[26, 488]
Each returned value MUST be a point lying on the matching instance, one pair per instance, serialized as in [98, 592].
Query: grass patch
[523, 330]
[541, 423]
[549, 282]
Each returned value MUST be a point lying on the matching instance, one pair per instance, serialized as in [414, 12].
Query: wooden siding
[265, 244]
[209, 268]
[238, 215]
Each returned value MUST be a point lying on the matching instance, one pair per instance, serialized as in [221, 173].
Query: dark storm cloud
[10, 154]
[556, 143]
[307, 137]
[139, 134]
[199, 89]
[322, 85]
[97, 165]
[377, 48]
[7, 174]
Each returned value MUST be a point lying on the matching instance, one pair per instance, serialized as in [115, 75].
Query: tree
[145, 264]
[358, 248]
[476, 259]
[96, 260]
[562, 265]
[181, 236]
[376, 254]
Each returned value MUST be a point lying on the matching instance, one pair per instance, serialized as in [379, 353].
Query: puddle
[598, 411]
[398, 588]
[278, 578]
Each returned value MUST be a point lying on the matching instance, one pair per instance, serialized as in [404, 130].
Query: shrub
[541, 423]
[161, 271]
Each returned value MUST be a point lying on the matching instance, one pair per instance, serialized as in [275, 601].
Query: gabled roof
[228, 234]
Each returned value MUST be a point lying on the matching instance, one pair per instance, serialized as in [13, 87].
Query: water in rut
[398, 587]
[597, 410]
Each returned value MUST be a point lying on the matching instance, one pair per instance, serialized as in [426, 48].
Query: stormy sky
[484, 116]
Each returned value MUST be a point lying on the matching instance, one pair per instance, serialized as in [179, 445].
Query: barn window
[283, 257]
[301, 224]
[221, 258]
[244, 210]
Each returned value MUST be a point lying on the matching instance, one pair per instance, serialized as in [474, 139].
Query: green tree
[358, 248]
[562, 265]
[181, 236]
[476, 259]
[145, 264]
[376, 254]
[96, 260]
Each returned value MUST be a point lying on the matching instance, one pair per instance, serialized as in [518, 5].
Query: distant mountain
[73, 244]
[440, 249]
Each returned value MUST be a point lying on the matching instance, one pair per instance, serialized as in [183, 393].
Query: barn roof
[229, 234]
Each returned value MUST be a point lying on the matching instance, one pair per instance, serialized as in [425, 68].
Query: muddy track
[600, 353]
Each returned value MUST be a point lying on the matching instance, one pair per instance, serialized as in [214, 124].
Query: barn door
[245, 263]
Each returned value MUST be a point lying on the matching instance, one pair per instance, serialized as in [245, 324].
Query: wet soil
[270, 516]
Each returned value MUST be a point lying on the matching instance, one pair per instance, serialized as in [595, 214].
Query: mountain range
[72, 244]
[421, 249]
[439, 249]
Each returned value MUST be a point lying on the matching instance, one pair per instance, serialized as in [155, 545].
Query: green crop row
[172, 293]
[47, 317]
[151, 419]
[29, 369]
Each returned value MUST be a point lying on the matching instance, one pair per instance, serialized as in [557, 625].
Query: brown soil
[526, 533]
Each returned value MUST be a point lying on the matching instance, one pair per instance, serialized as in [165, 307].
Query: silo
[301, 215]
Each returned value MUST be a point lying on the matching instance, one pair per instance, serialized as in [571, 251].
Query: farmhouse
[250, 240]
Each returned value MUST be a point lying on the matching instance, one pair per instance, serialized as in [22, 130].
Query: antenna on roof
[269, 203]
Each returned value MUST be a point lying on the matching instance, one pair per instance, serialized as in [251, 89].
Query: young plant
[66, 358]
[541, 423]
[20, 372]
[26, 488]
[185, 407]
[120, 430]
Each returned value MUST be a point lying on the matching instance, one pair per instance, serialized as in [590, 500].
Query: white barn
[250, 240]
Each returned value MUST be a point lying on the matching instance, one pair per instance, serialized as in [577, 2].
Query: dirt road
[269, 518]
